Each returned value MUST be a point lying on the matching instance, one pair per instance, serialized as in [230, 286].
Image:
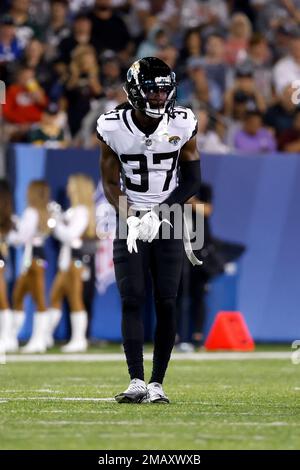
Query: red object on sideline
[229, 331]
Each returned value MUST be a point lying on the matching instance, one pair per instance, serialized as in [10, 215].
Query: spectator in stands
[166, 12]
[157, 38]
[240, 30]
[25, 102]
[40, 12]
[10, 47]
[287, 69]
[211, 132]
[80, 5]
[111, 71]
[259, 59]
[57, 29]
[270, 15]
[243, 93]
[279, 116]
[289, 140]
[281, 43]
[33, 57]
[112, 82]
[26, 27]
[86, 136]
[209, 13]
[109, 31]
[214, 60]
[83, 85]
[253, 137]
[197, 89]
[81, 35]
[192, 47]
[169, 55]
[48, 133]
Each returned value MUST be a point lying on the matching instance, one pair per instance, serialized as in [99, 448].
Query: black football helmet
[151, 87]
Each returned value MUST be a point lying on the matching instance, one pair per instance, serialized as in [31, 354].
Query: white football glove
[149, 226]
[133, 233]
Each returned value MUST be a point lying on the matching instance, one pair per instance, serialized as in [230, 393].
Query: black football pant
[163, 259]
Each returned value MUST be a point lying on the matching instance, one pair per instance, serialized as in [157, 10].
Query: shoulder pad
[184, 117]
[109, 121]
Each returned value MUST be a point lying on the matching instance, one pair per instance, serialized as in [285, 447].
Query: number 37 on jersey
[148, 163]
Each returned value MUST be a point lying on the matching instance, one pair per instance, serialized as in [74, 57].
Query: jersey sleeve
[107, 125]
[100, 130]
[186, 120]
[192, 126]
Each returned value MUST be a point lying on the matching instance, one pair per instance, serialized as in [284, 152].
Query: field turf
[219, 404]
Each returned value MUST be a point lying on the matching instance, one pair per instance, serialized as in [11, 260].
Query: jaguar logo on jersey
[174, 139]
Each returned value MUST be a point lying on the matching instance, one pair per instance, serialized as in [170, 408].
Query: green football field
[215, 404]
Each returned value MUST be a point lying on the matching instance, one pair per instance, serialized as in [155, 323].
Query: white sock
[40, 327]
[18, 321]
[8, 333]
[54, 316]
[79, 321]
[6, 324]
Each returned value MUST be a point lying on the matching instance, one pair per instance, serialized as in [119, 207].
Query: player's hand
[133, 233]
[149, 226]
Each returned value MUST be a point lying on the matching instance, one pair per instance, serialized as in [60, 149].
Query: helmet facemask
[158, 99]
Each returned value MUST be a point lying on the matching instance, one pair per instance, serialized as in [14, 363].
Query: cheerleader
[8, 342]
[74, 229]
[32, 232]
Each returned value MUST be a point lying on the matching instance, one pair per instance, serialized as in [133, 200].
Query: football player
[148, 155]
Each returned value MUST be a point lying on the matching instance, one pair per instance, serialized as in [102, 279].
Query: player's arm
[110, 171]
[203, 207]
[190, 174]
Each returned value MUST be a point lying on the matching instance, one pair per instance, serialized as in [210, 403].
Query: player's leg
[57, 293]
[21, 288]
[36, 283]
[78, 315]
[130, 269]
[6, 316]
[166, 271]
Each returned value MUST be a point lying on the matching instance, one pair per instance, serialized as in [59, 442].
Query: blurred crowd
[237, 64]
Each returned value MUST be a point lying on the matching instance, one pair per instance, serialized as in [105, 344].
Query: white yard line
[36, 390]
[103, 357]
[58, 399]
[275, 424]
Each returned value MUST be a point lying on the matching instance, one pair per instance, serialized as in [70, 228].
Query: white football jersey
[149, 164]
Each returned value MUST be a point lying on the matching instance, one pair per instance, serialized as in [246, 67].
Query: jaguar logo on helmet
[133, 71]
